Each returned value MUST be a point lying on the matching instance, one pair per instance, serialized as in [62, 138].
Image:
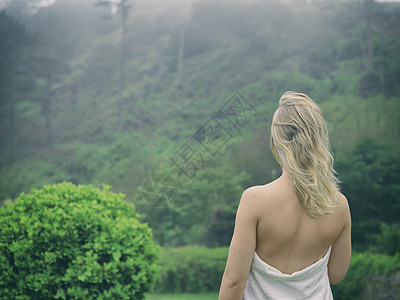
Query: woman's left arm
[241, 250]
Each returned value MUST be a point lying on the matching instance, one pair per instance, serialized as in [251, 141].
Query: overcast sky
[36, 4]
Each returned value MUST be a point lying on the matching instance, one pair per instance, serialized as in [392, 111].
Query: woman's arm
[241, 250]
[339, 259]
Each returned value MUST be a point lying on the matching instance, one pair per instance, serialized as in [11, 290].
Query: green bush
[362, 265]
[191, 269]
[74, 242]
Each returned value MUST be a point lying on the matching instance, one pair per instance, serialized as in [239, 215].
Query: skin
[271, 221]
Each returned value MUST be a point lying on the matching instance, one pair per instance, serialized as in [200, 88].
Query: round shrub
[74, 242]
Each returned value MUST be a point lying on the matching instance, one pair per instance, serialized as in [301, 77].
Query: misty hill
[98, 95]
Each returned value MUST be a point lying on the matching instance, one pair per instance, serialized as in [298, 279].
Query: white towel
[266, 282]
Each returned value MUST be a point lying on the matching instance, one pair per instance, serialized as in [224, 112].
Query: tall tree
[121, 8]
[14, 40]
[366, 39]
[370, 81]
[48, 72]
[369, 173]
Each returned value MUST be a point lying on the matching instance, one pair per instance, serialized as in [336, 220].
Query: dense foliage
[190, 269]
[362, 266]
[370, 173]
[74, 242]
[186, 221]
[199, 269]
[96, 100]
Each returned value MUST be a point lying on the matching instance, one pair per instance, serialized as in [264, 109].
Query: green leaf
[60, 294]
[116, 255]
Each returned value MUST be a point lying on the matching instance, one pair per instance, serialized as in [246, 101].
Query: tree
[186, 219]
[122, 8]
[220, 227]
[369, 173]
[48, 72]
[14, 40]
[366, 39]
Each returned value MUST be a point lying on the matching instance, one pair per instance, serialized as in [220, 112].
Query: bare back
[271, 221]
[286, 237]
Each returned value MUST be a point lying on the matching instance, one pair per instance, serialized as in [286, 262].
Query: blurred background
[107, 92]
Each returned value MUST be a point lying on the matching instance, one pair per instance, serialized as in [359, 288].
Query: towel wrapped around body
[267, 283]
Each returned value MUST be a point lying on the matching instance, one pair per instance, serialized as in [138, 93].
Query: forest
[170, 103]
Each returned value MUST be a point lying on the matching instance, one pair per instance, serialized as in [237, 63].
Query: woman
[292, 236]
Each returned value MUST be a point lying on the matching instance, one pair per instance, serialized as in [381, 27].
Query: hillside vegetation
[92, 97]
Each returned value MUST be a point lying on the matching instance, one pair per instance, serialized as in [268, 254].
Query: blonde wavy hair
[300, 144]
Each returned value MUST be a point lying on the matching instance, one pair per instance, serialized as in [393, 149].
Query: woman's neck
[285, 174]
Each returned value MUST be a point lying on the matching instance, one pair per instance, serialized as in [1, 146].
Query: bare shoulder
[253, 191]
[343, 203]
[258, 192]
[342, 199]
[259, 198]
[343, 208]
[252, 195]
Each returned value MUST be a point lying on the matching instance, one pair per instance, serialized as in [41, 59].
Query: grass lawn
[206, 296]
